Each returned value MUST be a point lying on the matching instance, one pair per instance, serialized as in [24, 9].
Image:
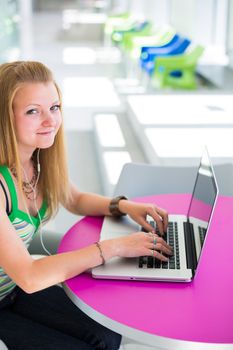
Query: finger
[161, 242]
[159, 222]
[161, 248]
[147, 226]
[149, 238]
[164, 243]
[164, 215]
[157, 255]
[161, 218]
[151, 211]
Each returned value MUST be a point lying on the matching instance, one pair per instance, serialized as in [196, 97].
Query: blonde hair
[53, 181]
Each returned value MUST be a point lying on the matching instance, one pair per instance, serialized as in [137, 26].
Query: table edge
[138, 335]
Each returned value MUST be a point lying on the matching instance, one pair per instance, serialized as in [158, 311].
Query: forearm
[55, 269]
[90, 204]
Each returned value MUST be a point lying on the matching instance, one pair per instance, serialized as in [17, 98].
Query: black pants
[48, 320]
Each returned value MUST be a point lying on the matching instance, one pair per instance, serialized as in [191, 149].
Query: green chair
[135, 28]
[121, 21]
[177, 71]
[128, 38]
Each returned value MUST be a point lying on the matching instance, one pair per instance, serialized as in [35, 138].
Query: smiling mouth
[46, 132]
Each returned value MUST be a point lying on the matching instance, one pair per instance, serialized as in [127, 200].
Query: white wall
[182, 16]
[204, 21]
[194, 18]
[230, 34]
[119, 5]
[222, 9]
[26, 27]
[155, 10]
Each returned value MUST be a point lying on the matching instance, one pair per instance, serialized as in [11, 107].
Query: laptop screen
[204, 195]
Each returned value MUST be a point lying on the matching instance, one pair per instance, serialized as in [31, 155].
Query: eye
[32, 111]
[55, 108]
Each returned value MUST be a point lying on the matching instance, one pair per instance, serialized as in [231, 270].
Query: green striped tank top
[23, 226]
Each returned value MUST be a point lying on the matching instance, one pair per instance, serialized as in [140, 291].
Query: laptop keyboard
[171, 237]
[202, 233]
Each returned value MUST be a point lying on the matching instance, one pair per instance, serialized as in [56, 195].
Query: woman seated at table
[34, 312]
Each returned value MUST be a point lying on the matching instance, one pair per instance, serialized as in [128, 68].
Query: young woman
[34, 312]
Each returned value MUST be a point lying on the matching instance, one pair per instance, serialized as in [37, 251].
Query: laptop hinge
[191, 257]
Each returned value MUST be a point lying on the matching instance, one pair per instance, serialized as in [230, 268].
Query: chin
[44, 145]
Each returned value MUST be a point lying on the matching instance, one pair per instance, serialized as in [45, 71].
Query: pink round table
[195, 315]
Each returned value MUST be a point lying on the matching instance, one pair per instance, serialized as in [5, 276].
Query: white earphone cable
[39, 230]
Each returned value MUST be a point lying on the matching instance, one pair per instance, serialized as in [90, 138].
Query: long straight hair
[53, 182]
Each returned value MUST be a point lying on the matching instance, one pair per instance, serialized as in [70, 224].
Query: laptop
[186, 234]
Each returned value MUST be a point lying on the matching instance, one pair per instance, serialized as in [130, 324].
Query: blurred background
[143, 81]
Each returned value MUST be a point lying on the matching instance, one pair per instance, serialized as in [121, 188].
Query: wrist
[99, 247]
[114, 206]
[123, 206]
[108, 249]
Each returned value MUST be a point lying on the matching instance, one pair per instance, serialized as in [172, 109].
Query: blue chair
[176, 46]
[145, 50]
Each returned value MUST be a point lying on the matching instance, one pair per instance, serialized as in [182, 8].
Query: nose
[49, 119]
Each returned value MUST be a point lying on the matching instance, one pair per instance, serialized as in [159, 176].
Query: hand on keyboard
[142, 243]
[139, 212]
[171, 237]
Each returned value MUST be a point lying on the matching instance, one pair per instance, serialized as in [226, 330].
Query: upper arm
[71, 205]
[14, 256]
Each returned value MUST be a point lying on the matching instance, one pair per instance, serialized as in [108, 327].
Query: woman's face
[36, 108]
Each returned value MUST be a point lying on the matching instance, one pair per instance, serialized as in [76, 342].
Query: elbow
[28, 286]
[27, 279]
[29, 289]
[28, 282]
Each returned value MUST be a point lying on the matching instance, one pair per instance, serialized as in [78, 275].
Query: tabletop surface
[173, 109]
[199, 311]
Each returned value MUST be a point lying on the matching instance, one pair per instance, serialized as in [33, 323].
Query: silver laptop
[186, 234]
